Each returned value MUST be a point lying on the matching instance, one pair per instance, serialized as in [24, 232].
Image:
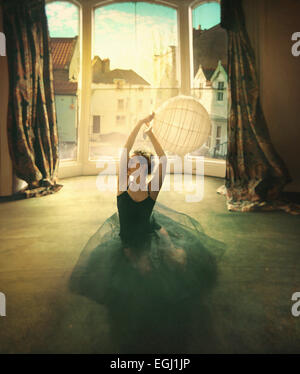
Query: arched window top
[140, 36]
[63, 18]
[206, 14]
[99, 3]
[194, 4]
[64, 30]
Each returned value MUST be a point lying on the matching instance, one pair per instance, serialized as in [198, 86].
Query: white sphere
[181, 125]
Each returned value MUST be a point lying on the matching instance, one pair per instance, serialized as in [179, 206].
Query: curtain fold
[31, 122]
[255, 173]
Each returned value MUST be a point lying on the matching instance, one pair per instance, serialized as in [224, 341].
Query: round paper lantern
[181, 125]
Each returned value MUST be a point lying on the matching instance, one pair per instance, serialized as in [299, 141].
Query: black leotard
[136, 220]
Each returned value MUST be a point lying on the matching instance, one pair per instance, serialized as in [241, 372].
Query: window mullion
[86, 81]
[185, 48]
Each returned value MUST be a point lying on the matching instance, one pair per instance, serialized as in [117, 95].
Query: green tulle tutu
[179, 266]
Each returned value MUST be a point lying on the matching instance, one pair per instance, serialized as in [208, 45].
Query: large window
[210, 75]
[134, 69]
[117, 61]
[63, 21]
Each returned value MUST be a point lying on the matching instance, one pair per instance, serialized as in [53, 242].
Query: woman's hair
[147, 158]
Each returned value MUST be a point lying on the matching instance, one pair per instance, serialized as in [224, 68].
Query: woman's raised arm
[131, 139]
[158, 178]
[125, 153]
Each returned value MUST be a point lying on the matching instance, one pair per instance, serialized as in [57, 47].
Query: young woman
[135, 205]
[145, 253]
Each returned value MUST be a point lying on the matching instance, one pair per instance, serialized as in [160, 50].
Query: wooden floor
[250, 308]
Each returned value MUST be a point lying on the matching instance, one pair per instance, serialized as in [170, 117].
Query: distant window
[220, 96]
[119, 83]
[208, 142]
[96, 124]
[120, 120]
[140, 105]
[218, 137]
[120, 104]
[220, 85]
[200, 90]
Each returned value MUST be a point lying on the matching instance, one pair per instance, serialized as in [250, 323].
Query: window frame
[120, 105]
[70, 168]
[97, 124]
[220, 96]
[184, 8]
[212, 167]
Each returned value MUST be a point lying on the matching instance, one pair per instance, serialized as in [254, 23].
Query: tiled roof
[210, 46]
[64, 87]
[129, 76]
[62, 51]
[208, 73]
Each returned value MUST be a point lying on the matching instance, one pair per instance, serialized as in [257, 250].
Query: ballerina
[150, 265]
[135, 205]
[145, 247]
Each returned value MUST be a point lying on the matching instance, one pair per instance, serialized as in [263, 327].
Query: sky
[140, 30]
[207, 15]
[63, 19]
[129, 34]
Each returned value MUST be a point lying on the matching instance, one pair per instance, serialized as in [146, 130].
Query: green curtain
[32, 126]
[255, 173]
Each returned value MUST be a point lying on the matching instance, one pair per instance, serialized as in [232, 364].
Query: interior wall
[270, 24]
[6, 173]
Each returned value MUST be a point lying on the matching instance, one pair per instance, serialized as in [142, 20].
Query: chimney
[106, 65]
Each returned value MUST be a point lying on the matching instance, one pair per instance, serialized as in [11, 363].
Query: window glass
[210, 75]
[134, 70]
[63, 22]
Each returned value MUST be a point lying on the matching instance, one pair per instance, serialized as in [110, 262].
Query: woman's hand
[147, 119]
[148, 130]
[132, 136]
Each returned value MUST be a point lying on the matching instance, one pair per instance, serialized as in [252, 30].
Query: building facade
[119, 99]
[212, 91]
[66, 56]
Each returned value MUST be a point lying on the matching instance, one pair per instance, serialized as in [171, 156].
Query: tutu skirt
[181, 263]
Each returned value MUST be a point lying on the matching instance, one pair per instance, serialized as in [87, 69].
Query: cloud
[112, 23]
[63, 19]
[129, 42]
